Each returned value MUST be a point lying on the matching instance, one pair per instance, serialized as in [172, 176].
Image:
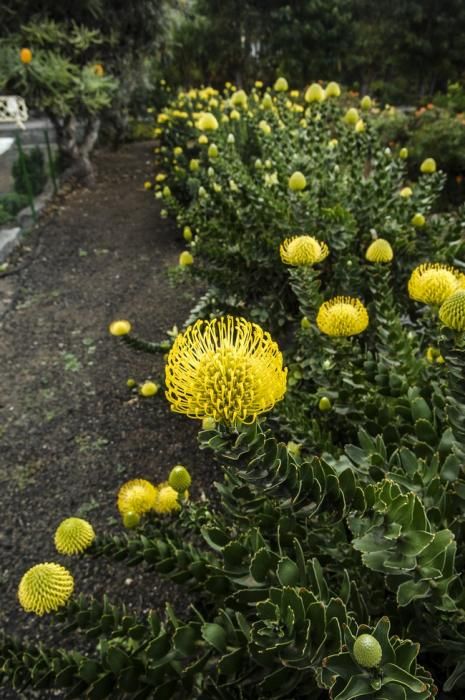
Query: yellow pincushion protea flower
[303, 250]
[167, 499]
[342, 317]
[452, 311]
[433, 283]
[207, 122]
[227, 368]
[73, 536]
[45, 588]
[380, 251]
[136, 496]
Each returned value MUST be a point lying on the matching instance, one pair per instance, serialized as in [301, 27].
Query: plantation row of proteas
[354, 526]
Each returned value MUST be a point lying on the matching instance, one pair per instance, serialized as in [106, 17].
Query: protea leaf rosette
[372, 664]
[433, 283]
[227, 368]
[45, 588]
[303, 250]
[342, 317]
[73, 536]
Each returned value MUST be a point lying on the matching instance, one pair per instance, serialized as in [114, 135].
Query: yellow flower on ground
[380, 251]
[186, 259]
[303, 250]
[228, 369]
[281, 85]
[433, 283]
[207, 122]
[167, 499]
[149, 389]
[297, 182]
[315, 93]
[45, 588]
[136, 496]
[73, 536]
[342, 316]
[333, 89]
[428, 166]
[120, 328]
[452, 311]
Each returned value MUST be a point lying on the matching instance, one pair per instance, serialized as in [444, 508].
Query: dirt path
[69, 434]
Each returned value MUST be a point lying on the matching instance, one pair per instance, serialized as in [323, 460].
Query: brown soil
[71, 432]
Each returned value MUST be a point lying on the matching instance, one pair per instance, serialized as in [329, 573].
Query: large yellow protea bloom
[44, 588]
[342, 316]
[167, 499]
[136, 496]
[73, 536]
[432, 283]
[452, 311]
[303, 250]
[227, 368]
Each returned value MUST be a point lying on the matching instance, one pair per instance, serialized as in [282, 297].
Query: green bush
[34, 164]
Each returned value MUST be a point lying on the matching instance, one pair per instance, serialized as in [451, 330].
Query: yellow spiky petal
[73, 536]
[432, 283]
[380, 251]
[167, 499]
[452, 311]
[45, 588]
[303, 250]
[342, 316]
[136, 496]
[227, 368]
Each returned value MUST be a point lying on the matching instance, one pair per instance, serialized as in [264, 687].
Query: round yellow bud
[351, 116]
[239, 99]
[406, 192]
[418, 220]
[297, 181]
[194, 165]
[366, 103]
[131, 383]
[333, 89]
[73, 536]
[403, 153]
[267, 101]
[186, 258]
[360, 126]
[203, 139]
[177, 151]
[305, 323]
[45, 588]
[179, 478]
[147, 185]
[265, 127]
[25, 55]
[281, 85]
[187, 234]
[324, 404]
[208, 122]
[120, 328]
[148, 389]
[213, 151]
[315, 93]
[131, 520]
[428, 166]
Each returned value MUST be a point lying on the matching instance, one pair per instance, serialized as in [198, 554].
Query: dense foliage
[395, 49]
[334, 564]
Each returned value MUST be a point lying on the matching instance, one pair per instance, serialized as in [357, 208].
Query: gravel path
[70, 430]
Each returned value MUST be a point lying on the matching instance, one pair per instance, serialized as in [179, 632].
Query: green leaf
[411, 590]
[260, 565]
[288, 572]
[215, 636]
[117, 659]
[102, 688]
[393, 673]
[451, 468]
[355, 688]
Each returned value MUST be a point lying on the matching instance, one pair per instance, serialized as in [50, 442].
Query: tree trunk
[75, 153]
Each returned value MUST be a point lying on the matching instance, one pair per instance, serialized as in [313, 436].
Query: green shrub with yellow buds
[325, 370]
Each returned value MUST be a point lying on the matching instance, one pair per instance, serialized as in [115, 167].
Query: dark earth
[71, 432]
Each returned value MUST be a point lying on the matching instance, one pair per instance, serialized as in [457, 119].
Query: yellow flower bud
[297, 182]
[333, 90]
[418, 220]
[403, 153]
[366, 103]
[351, 116]
[187, 234]
[428, 166]
[315, 93]
[185, 258]
[406, 192]
[148, 389]
[281, 85]
[120, 328]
